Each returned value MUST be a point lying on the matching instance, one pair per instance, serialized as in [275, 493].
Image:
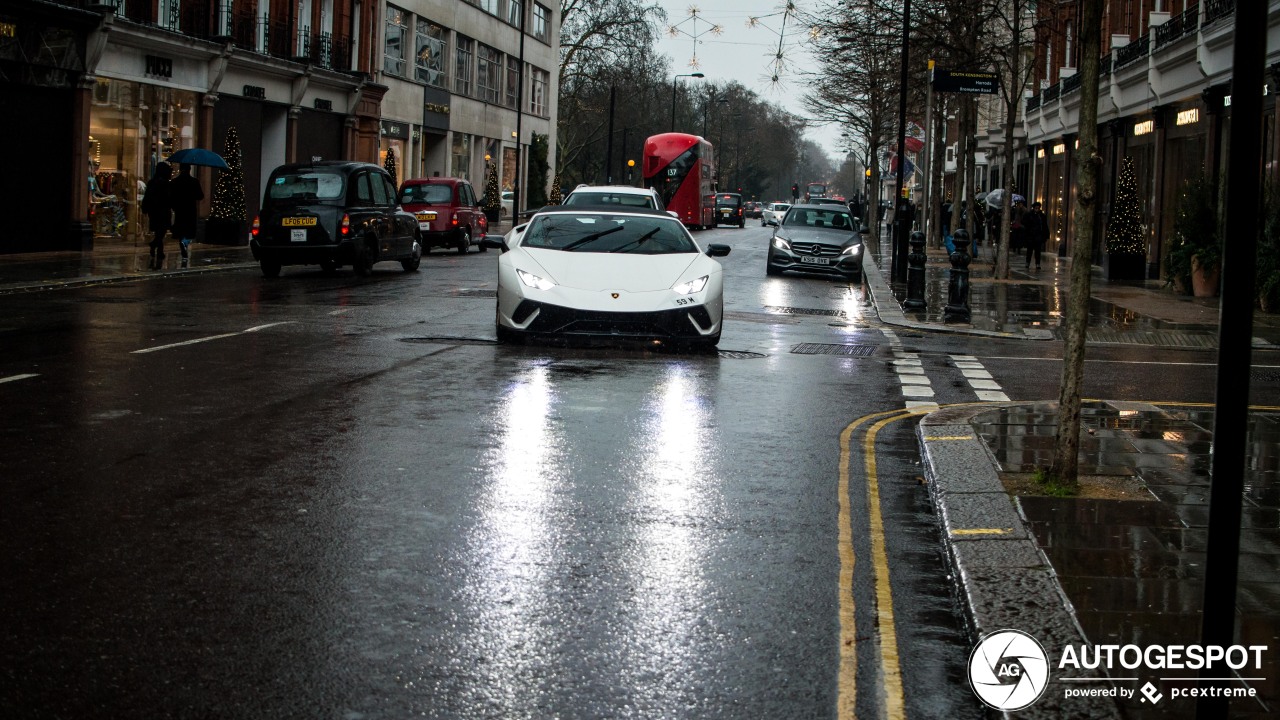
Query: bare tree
[1065, 468]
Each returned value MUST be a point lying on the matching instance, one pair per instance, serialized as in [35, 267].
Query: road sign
[960, 81]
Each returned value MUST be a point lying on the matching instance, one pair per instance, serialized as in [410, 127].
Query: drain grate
[1269, 376]
[830, 349]
[446, 340]
[476, 292]
[785, 310]
[740, 355]
[1161, 338]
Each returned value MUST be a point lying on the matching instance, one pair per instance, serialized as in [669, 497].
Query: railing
[1217, 9]
[1104, 66]
[1033, 103]
[1178, 27]
[1071, 83]
[1052, 92]
[1134, 51]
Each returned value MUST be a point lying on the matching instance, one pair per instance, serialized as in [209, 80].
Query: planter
[1125, 266]
[224, 232]
[1204, 283]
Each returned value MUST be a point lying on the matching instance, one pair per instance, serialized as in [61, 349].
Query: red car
[448, 212]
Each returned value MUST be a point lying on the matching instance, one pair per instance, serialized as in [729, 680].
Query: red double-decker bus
[681, 168]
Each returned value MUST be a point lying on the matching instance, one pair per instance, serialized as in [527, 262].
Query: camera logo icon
[1008, 670]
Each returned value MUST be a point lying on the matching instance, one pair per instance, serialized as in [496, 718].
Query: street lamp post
[673, 95]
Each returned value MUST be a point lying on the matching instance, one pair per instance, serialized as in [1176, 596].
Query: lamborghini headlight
[693, 286]
[534, 281]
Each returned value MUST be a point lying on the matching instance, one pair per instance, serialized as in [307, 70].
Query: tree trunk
[1066, 467]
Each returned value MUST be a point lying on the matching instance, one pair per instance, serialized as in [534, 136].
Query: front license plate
[298, 222]
[815, 261]
[297, 236]
[426, 216]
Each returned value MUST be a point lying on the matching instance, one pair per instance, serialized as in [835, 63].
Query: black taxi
[331, 214]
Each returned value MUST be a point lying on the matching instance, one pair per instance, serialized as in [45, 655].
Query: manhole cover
[830, 349]
[784, 310]
[740, 355]
[445, 340]
[476, 292]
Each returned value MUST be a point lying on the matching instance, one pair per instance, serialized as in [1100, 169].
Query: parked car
[729, 210]
[332, 214]
[773, 213]
[625, 195]
[587, 271]
[448, 212]
[508, 197]
[817, 238]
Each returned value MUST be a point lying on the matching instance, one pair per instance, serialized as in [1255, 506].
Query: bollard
[915, 273]
[958, 292]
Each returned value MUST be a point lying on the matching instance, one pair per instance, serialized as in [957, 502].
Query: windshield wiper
[637, 241]
[590, 238]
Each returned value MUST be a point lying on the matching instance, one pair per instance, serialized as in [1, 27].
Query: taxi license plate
[815, 261]
[426, 216]
[724, 212]
[297, 235]
[298, 222]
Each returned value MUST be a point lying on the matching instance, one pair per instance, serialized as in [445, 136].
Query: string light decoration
[1124, 229]
[492, 195]
[390, 166]
[556, 196]
[676, 31]
[228, 190]
[778, 61]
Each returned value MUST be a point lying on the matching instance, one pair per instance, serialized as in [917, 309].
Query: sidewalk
[1126, 568]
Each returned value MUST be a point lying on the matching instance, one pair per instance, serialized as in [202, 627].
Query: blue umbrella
[199, 156]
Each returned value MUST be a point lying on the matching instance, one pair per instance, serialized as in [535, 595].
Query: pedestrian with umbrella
[159, 212]
[185, 195]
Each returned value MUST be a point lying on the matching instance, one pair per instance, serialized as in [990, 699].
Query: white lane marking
[984, 384]
[1121, 362]
[911, 375]
[24, 376]
[991, 396]
[986, 388]
[339, 311]
[976, 374]
[913, 404]
[205, 339]
[917, 391]
[913, 379]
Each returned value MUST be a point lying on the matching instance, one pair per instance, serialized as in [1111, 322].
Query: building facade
[109, 90]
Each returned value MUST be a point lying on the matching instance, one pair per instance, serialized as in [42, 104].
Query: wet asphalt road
[336, 497]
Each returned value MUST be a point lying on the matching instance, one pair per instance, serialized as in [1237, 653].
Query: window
[397, 37]
[540, 17]
[488, 73]
[364, 191]
[515, 12]
[489, 6]
[538, 96]
[461, 151]
[431, 45]
[513, 80]
[380, 196]
[462, 66]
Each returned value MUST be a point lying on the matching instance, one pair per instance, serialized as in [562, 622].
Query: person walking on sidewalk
[1036, 228]
[159, 210]
[185, 195]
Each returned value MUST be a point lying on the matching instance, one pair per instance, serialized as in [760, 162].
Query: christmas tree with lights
[1126, 249]
[390, 165]
[492, 202]
[556, 196]
[228, 189]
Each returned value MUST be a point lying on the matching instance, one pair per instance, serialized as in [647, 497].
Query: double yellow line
[847, 682]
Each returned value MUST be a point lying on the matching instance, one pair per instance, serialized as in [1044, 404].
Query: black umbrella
[199, 156]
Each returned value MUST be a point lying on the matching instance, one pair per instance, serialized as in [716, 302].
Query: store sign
[1144, 127]
[395, 130]
[322, 104]
[1059, 148]
[159, 67]
[1189, 117]
[255, 91]
[435, 108]
[965, 82]
[8, 30]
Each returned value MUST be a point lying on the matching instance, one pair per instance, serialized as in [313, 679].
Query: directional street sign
[960, 81]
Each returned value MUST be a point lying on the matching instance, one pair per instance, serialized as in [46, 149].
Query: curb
[43, 285]
[1002, 579]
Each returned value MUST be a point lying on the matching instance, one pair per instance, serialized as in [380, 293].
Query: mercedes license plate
[815, 260]
[297, 235]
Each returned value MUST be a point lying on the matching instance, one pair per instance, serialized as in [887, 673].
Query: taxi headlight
[534, 281]
[693, 286]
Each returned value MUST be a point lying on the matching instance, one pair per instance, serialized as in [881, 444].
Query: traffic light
[795, 191]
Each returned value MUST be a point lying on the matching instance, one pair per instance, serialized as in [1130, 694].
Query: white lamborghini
[608, 273]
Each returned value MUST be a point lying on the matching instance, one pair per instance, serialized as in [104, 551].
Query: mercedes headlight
[534, 281]
[693, 286]
[853, 250]
[781, 244]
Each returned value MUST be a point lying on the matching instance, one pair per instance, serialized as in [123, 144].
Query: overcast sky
[746, 53]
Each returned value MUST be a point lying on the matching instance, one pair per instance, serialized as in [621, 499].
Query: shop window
[461, 156]
[488, 73]
[431, 46]
[462, 66]
[397, 36]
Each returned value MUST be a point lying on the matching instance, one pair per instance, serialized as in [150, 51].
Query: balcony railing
[1217, 9]
[1178, 27]
[1133, 52]
[1033, 103]
[1071, 83]
[1104, 66]
[1051, 92]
